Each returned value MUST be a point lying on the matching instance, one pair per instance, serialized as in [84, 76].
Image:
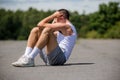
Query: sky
[87, 6]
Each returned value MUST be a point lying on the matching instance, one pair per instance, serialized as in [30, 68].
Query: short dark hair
[66, 12]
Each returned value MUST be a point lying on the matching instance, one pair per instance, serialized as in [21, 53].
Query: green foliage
[113, 32]
[93, 34]
[105, 23]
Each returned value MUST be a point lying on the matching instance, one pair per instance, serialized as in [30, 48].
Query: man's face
[61, 18]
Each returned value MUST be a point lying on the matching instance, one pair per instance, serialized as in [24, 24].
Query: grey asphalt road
[90, 60]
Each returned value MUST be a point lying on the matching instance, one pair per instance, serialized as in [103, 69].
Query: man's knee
[35, 30]
[47, 30]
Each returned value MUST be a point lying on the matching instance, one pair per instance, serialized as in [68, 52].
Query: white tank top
[67, 43]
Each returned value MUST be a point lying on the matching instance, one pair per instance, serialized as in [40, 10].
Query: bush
[21, 38]
[93, 34]
[113, 33]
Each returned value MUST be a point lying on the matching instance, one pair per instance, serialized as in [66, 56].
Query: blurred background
[94, 19]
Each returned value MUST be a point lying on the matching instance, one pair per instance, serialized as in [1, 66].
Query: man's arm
[63, 27]
[45, 21]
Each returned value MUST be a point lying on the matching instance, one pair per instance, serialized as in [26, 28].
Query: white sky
[88, 6]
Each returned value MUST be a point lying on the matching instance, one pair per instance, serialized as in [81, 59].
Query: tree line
[104, 23]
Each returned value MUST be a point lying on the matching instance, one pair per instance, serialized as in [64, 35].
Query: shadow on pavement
[68, 64]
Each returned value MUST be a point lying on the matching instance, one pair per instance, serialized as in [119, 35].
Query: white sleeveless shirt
[67, 43]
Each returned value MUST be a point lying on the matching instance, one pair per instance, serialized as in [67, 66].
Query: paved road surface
[90, 60]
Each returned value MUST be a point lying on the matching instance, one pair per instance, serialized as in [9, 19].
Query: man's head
[65, 13]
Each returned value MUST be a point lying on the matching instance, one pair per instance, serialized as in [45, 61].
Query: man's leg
[47, 39]
[52, 43]
[33, 37]
[44, 39]
[55, 55]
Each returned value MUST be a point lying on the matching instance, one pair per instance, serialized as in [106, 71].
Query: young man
[58, 38]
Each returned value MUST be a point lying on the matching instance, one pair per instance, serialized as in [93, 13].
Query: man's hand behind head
[57, 14]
